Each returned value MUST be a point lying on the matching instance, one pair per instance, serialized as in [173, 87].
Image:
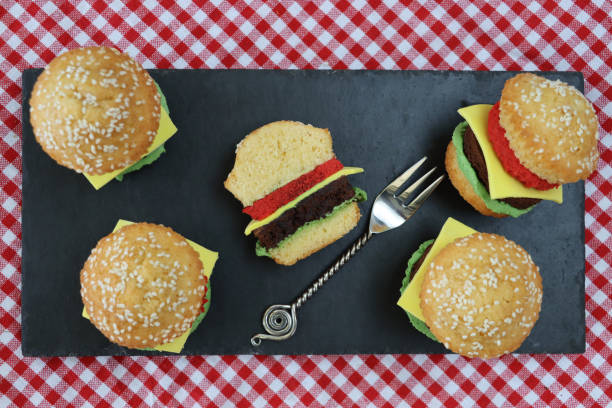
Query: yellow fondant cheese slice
[208, 258]
[410, 300]
[501, 184]
[254, 224]
[165, 131]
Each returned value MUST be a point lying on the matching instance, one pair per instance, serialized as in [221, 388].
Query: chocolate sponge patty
[418, 263]
[474, 154]
[309, 209]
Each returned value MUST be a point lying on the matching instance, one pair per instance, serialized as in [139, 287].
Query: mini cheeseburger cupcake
[146, 287]
[507, 157]
[295, 190]
[98, 112]
[479, 294]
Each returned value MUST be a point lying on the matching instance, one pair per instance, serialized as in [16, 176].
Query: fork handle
[280, 321]
[348, 254]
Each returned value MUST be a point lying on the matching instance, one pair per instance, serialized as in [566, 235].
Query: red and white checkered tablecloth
[312, 35]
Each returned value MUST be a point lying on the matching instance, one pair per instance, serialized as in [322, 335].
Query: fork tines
[394, 187]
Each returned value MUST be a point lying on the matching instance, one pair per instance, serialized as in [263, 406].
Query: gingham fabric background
[348, 34]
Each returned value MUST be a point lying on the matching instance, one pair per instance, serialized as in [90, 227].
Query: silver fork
[390, 210]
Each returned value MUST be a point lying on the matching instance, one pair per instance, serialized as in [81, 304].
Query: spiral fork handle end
[279, 322]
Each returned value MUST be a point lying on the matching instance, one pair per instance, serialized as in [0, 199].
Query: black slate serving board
[380, 120]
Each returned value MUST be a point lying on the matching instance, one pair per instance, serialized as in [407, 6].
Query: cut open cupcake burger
[295, 190]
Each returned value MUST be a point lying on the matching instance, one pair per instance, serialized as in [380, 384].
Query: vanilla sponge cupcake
[143, 286]
[507, 157]
[478, 294]
[95, 110]
[481, 295]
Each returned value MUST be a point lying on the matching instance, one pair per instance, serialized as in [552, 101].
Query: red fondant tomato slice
[287, 193]
[501, 145]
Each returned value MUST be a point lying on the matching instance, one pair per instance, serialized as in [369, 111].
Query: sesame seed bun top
[481, 295]
[95, 110]
[551, 127]
[143, 285]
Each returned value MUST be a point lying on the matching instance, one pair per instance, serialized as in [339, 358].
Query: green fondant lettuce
[416, 322]
[261, 251]
[360, 195]
[470, 174]
[148, 159]
[202, 315]
[162, 97]
[154, 155]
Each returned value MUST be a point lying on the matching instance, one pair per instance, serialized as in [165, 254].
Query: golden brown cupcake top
[143, 285]
[552, 128]
[481, 295]
[95, 110]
